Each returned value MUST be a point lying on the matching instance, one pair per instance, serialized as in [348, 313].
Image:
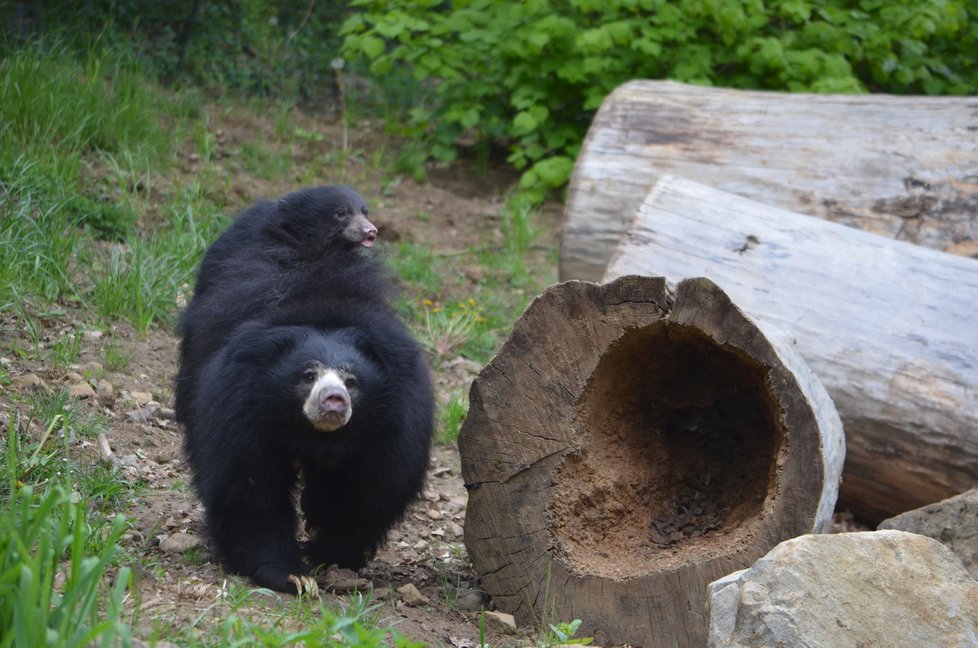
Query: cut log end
[676, 459]
[630, 447]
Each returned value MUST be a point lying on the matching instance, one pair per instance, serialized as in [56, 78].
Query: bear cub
[297, 376]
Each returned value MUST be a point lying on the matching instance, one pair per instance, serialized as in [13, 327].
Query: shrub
[529, 74]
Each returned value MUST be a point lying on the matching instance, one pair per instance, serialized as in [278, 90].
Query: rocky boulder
[952, 522]
[883, 588]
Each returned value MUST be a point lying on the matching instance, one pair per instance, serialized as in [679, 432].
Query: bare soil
[458, 208]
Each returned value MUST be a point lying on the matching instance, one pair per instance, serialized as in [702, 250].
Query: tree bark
[890, 328]
[629, 445]
[903, 167]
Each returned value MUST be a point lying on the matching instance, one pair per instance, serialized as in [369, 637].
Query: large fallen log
[890, 328]
[626, 447]
[903, 167]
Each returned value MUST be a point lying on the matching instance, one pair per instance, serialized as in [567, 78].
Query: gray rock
[855, 589]
[81, 390]
[27, 381]
[92, 369]
[500, 622]
[411, 595]
[106, 390]
[952, 522]
[179, 543]
[471, 600]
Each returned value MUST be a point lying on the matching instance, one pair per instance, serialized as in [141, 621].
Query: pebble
[105, 389]
[179, 543]
[27, 381]
[92, 369]
[141, 398]
[411, 595]
[500, 622]
[471, 600]
[81, 390]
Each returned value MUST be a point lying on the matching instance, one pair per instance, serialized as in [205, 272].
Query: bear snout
[328, 405]
[333, 400]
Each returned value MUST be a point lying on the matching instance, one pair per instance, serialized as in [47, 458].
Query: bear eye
[350, 383]
[341, 212]
[309, 375]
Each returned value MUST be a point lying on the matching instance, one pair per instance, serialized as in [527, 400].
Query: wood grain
[890, 328]
[902, 167]
[607, 406]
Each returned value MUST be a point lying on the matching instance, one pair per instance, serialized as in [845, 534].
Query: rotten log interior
[680, 437]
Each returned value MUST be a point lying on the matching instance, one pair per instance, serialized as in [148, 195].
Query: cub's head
[333, 214]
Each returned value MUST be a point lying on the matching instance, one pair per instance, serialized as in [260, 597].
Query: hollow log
[629, 445]
[902, 167]
[890, 328]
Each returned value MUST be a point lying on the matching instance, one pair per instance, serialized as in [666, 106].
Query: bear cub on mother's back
[297, 373]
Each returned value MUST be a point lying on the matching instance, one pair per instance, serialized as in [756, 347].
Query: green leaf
[372, 46]
[444, 153]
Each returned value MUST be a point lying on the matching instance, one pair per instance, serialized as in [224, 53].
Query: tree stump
[627, 446]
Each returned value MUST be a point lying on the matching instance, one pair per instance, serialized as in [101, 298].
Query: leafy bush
[253, 46]
[530, 74]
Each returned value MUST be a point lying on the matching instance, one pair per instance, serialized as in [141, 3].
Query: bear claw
[304, 585]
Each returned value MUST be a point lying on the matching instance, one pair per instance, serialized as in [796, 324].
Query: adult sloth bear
[296, 372]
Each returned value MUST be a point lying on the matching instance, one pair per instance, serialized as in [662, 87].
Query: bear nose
[332, 400]
[369, 235]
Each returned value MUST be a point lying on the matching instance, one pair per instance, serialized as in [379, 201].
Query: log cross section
[628, 445]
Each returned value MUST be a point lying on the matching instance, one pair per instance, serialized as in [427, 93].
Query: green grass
[55, 587]
[102, 221]
[451, 415]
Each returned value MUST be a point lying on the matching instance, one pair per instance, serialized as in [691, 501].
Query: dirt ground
[178, 586]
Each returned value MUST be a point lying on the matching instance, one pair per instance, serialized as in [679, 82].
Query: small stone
[92, 369]
[141, 398]
[105, 389]
[139, 643]
[430, 495]
[500, 622]
[74, 377]
[455, 530]
[91, 336]
[471, 600]
[435, 514]
[343, 580]
[421, 546]
[166, 413]
[179, 543]
[81, 390]
[411, 595]
[27, 381]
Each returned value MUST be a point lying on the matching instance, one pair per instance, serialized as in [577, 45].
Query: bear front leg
[254, 529]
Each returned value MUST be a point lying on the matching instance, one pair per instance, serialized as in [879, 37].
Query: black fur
[287, 285]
